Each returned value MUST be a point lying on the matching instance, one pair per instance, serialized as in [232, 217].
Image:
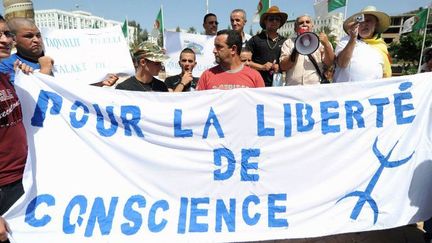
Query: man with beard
[28, 44]
[231, 73]
[266, 46]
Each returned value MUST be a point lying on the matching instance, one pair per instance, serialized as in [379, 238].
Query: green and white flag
[335, 4]
[125, 29]
[158, 24]
[323, 7]
[416, 22]
[263, 6]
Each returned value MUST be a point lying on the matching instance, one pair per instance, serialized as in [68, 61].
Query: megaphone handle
[294, 55]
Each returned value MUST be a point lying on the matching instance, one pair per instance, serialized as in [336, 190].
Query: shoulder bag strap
[316, 66]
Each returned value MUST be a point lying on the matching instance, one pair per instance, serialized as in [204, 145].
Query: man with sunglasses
[210, 24]
[148, 59]
[266, 46]
[28, 44]
[13, 142]
[184, 81]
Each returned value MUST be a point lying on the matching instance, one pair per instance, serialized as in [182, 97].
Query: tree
[406, 52]
[140, 35]
[144, 35]
[178, 29]
[192, 30]
[329, 32]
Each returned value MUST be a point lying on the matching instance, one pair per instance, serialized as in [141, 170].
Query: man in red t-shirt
[13, 142]
[230, 73]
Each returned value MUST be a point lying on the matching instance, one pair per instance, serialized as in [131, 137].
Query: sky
[189, 13]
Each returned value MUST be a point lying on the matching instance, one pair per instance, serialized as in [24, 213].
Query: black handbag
[323, 80]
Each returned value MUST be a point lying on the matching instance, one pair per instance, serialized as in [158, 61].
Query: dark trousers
[9, 194]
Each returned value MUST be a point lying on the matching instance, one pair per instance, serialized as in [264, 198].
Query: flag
[158, 24]
[416, 22]
[321, 9]
[263, 6]
[125, 29]
[421, 22]
[335, 4]
[408, 25]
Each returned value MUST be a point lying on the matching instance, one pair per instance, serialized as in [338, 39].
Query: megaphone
[306, 43]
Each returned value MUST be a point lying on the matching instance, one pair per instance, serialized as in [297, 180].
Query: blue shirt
[7, 65]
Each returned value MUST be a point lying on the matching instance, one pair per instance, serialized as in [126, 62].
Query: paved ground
[405, 234]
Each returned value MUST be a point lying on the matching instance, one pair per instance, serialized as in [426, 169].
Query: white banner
[88, 55]
[202, 45]
[221, 166]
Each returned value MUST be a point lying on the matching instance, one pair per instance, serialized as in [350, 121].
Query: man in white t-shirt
[238, 21]
[363, 55]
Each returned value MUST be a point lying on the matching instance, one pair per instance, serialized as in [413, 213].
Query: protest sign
[220, 166]
[202, 45]
[87, 55]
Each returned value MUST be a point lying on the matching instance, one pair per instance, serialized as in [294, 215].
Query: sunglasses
[213, 22]
[274, 18]
[6, 33]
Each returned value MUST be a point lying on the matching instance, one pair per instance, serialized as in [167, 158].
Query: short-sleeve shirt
[265, 50]
[303, 72]
[217, 78]
[173, 81]
[134, 84]
[7, 65]
[366, 63]
[13, 140]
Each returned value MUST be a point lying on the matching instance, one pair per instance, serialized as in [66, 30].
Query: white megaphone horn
[307, 43]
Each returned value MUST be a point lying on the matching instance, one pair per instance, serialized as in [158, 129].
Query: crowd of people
[243, 61]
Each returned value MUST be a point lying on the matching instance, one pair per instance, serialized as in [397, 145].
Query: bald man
[28, 43]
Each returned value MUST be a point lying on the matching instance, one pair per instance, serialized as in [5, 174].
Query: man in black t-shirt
[184, 81]
[266, 46]
[148, 57]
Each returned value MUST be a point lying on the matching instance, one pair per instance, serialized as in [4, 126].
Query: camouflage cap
[150, 51]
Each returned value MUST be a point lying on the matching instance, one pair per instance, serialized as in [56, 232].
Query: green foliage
[192, 30]
[329, 32]
[139, 36]
[406, 52]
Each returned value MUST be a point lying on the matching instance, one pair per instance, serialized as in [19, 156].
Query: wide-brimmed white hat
[383, 19]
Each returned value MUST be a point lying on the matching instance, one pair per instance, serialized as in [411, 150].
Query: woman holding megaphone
[304, 55]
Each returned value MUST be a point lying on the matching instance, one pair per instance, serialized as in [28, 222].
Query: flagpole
[423, 43]
[346, 9]
[163, 27]
[207, 8]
